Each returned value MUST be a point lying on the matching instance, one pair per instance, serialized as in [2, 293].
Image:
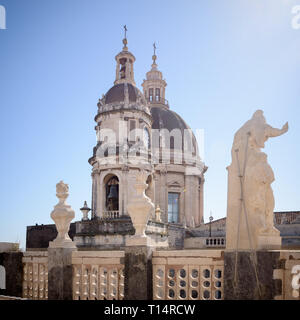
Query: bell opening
[112, 194]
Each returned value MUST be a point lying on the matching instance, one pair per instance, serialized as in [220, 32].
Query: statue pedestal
[62, 243]
[60, 273]
[137, 241]
[147, 241]
[138, 269]
[268, 242]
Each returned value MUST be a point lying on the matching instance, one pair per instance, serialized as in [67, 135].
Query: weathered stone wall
[138, 270]
[273, 273]
[60, 274]
[9, 246]
[176, 236]
[246, 287]
[12, 262]
[38, 237]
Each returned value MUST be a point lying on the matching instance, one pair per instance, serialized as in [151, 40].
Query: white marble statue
[250, 203]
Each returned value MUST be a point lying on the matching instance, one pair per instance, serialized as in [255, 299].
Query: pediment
[174, 184]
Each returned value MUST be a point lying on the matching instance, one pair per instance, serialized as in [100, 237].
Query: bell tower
[123, 141]
[155, 86]
[124, 67]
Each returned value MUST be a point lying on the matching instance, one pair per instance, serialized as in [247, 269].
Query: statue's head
[259, 114]
[258, 134]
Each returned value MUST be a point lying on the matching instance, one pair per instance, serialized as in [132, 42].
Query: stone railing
[156, 100]
[98, 275]
[285, 217]
[188, 275]
[204, 242]
[35, 275]
[215, 242]
[111, 215]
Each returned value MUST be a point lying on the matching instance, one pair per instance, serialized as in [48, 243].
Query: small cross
[154, 47]
[125, 28]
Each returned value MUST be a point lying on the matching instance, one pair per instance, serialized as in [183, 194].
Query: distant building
[288, 223]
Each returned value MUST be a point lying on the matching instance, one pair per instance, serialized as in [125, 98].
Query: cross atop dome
[154, 57]
[125, 38]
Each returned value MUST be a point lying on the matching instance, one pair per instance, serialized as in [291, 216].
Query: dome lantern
[125, 61]
[154, 86]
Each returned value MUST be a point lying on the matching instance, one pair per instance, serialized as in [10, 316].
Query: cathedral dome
[117, 93]
[164, 118]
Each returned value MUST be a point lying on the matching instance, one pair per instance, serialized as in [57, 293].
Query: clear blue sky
[222, 60]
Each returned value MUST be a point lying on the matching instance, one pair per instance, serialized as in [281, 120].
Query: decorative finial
[154, 56]
[125, 38]
[158, 214]
[62, 191]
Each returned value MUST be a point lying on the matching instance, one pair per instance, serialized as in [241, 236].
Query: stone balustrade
[215, 242]
[111, 215]
[204, 242]
[35, 275]
[98, 275]
[188, 275]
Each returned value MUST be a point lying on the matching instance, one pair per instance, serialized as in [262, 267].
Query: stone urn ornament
[62, 215]
[140, 206]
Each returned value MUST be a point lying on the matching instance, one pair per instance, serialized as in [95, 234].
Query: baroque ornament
[62, 215]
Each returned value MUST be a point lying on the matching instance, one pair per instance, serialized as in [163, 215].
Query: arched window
[112, 194]
[2, 278]
[151, 94]
[123, 68]
[157, 94]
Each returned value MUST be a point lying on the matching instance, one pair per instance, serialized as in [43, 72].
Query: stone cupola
[124, 67]
[154, 85]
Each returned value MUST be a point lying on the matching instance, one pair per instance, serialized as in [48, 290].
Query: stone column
[164, 193]
[188, 199]
[125, 170]
[93, 196]
[99, 196]
[60, 250]
[201, 201]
